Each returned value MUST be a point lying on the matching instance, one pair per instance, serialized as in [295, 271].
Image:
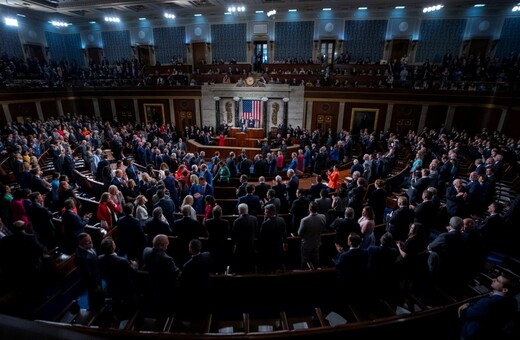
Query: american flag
[252, 109]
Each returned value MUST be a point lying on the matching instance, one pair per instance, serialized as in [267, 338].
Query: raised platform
[225, 150]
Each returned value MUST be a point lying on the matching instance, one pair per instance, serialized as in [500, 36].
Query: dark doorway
[399, 48]
[478, 47]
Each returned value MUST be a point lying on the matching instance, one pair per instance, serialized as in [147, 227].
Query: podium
[251, 133]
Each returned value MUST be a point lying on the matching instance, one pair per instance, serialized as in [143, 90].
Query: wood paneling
[49, 109]
[105, 109]
[21, 111]
[367, 105]
[405, 117]
[184, 113]
[78, 106]
[163, 102]
[325, 116]
[436, 116]
[512, 123]
[125, 110]
[473, 119]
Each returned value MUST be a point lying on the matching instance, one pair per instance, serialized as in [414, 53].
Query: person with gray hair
[162, 274]
[245, 229]
[157, 225]
[447, 253]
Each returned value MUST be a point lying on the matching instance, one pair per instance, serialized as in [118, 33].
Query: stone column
[237, 109]
[285, 111]
[217, 114]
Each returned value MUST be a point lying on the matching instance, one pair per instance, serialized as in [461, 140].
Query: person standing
[86, 261]
[162, 273]
[310, 233]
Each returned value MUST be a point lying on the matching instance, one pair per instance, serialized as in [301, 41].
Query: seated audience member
[487, 317]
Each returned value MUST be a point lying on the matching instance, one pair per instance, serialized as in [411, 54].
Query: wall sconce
[285, 100]
[216, 98]
[236, 99]
[264, 99]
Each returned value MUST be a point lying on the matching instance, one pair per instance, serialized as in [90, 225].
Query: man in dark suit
[487, 317]
[448, 247]
[310, 230]
[426, 213]
[299, 209]
[493, 228]
[417, 186]
[245, 229]
[195, 280]
[39, 184]
[185, 229]
[162, 274]
[244, 167]
[456, 199]
[155, 225]
[86, 261]
[345, 226]
[272, 240]
[252, 201]
[101, 165]
[377, 200]
[262, 188]
[292, 186]
[167, 205]
[351, 268]
[316, 188]
[241, 190]
[259, 165]
[132, 239]
[41, 220]
[218, 231]
[398, 223]
[131, 172]
[73, 226]
[119, 274]
[231, 165]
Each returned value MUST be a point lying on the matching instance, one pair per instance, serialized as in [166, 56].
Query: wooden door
[95, 55]
[478, 47]
[399, 48]
[323, 123]
[146, 54]
[35, 52]
[199, 53]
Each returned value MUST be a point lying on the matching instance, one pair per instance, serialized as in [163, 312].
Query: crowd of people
[162, 188]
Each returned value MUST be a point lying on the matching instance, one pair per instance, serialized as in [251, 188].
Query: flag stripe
[252, 109]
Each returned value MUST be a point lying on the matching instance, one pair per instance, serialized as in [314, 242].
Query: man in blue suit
[252, 201]
[486, 318]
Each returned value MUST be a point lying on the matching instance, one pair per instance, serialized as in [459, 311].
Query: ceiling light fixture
[362, 8]
[236, 9]
[400, 7]
[58, 23]
[432, 8]
[271, 13]
[169, 15]
[11, 22]
[112, 19]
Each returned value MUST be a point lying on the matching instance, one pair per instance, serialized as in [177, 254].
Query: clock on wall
[250, 81]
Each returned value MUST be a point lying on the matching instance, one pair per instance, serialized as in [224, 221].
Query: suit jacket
[310, 230]
[162, 272]
[351, 267]
[252, 201]
[486, 318]
[417, 187]
[399, 223]
[195, 279]
[73, 226]
[241, 191]
[377, 200]
[292, 187]
[87, 264]
[41, 219]
[132, 239]
[455, 206]
[119, 276]
[218, 232]
[299, 209]
[426, 213]
[316, 189]
[168, 208]
[155, 227]
[245, 229]
[261, 190]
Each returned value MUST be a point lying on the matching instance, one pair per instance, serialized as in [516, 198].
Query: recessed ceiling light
[142, 19]
[479, 5]
[400, 7]
[293, 10]
[197, 15]
[258, 12]
[92, 22]
[21, 15]
[327, 9]
[362, 8]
